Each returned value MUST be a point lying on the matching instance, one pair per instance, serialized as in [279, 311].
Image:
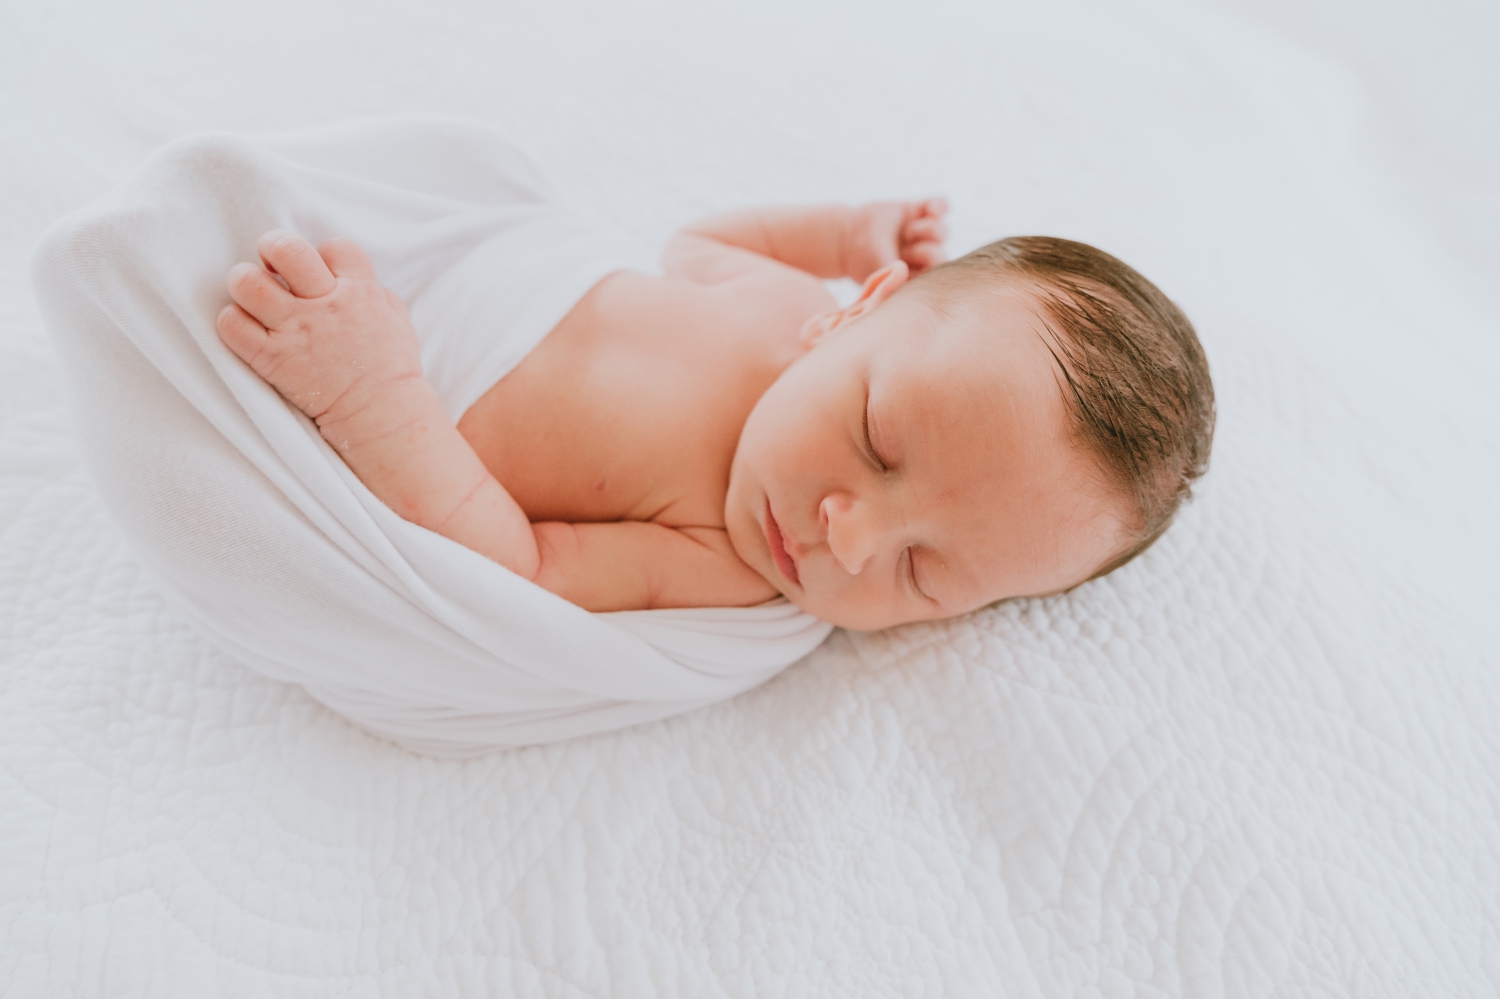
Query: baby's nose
[851, 537]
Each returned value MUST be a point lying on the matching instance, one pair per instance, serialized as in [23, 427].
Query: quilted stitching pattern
[1260, 760]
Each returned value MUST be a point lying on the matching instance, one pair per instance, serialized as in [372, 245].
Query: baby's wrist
[374, 412]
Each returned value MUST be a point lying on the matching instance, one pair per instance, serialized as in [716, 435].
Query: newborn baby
[1011, 423]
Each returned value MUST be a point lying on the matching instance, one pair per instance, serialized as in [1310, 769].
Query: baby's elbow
[586, 565]
[557, 546]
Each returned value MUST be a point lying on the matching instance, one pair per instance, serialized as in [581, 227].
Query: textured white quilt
[1262, 759]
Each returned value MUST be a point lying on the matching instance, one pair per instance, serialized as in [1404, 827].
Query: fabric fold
[257, 530]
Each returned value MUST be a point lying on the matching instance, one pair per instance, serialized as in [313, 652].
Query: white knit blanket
[255, 526]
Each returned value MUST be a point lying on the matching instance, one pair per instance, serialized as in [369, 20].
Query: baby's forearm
[407, 451]
[813, 239]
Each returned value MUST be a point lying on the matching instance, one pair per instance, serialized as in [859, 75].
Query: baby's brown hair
[1142, 398]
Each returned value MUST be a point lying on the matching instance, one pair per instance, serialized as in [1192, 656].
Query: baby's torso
[631, 408]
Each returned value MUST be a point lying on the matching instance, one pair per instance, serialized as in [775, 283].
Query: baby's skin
[723, 433]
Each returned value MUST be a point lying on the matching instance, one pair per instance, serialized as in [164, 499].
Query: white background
[1262, 759]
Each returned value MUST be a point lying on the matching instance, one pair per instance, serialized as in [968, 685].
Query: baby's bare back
[631, 408]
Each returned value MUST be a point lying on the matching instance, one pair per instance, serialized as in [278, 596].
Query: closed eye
[874, 456]
[911, 574]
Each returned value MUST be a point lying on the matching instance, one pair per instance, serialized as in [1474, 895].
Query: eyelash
[869, 444]
[911, 575]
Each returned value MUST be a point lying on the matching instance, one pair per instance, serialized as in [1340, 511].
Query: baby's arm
[636, 565]
[341, 348]
[826, 241]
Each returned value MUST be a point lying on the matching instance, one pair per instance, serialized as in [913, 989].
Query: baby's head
[1011, 423]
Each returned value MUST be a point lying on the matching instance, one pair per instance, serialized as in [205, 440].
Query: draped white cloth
[263, 536]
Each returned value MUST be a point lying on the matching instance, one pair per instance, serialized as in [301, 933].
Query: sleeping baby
[1011, 423]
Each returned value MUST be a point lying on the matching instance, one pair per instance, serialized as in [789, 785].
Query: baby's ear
[818, 327]
[877, 288]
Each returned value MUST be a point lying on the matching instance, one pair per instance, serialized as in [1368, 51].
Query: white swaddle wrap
[256, 528]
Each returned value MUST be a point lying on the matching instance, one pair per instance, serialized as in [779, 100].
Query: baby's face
[914, 465]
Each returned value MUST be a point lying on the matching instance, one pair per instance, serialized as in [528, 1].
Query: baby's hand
[883, 231]
[333, 340]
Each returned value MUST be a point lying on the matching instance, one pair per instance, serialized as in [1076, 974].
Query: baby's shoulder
[782, 292]
[761, 311]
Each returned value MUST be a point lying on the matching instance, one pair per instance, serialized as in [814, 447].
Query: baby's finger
[925, 229]
[921, 256]
[260, 295]
[346, 260]
[292, 257]
[241, 333]
[937, 207]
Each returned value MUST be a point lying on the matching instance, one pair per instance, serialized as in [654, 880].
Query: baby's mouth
[784, 561]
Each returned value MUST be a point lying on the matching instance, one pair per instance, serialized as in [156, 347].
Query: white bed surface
[1261, 760]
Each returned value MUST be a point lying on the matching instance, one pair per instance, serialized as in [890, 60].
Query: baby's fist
[884, 231]
[327, 335]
